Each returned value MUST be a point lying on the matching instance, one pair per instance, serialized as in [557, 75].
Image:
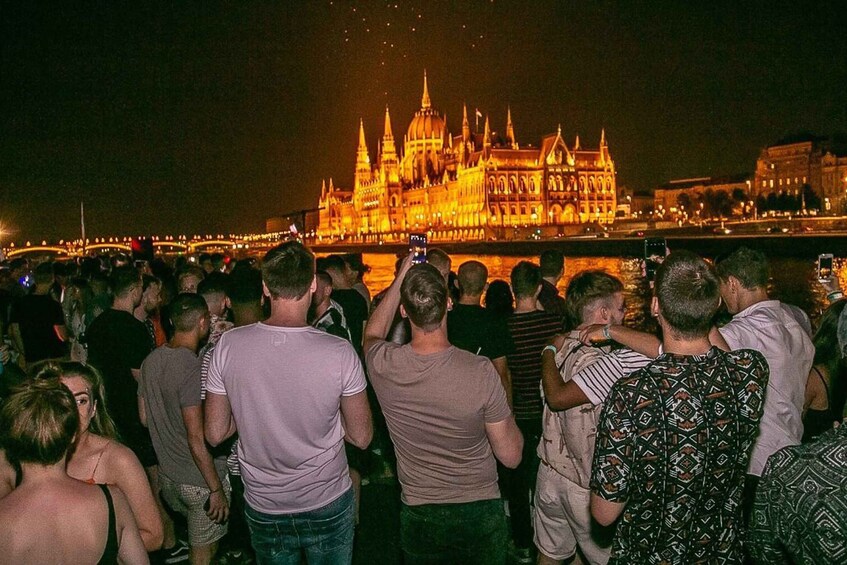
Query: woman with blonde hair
[51, 517]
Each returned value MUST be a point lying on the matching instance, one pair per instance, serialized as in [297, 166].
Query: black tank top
[817, 422]
[110, 554]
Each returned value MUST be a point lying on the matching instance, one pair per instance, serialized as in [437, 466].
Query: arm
[192, 417]
[356, 419]
[142, 411]
[506, 441]
[218, 423]
[380, 322]
[502, 368]
[644, 343]
[558, 394]
[130, 547]
[126, 473]
[604, 511]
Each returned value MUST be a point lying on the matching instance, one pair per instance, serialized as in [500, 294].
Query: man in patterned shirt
[800, 513]
[674, 438]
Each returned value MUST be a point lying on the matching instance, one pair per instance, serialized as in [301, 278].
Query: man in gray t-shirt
[169, 404]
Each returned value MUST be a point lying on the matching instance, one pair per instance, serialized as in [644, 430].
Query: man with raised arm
[297, 393]
[447, 415]
[674, 438]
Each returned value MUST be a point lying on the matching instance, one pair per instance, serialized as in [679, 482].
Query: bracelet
[834, 295]
[552, 348]
[606, 333]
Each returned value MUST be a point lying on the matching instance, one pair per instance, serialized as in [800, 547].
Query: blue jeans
[467, 533]
[325, 534]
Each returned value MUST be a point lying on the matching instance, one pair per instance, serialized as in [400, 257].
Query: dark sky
[196, 118]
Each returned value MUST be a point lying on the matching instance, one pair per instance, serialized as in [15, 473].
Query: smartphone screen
[655, 249]
[417, 246]
[825, 267]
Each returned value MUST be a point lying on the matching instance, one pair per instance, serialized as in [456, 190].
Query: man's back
[777, 331]
[529, 332]
[673, 443]
[285, 386]
[437, 406]
[355, 309]
[36, 315]
[475, 329]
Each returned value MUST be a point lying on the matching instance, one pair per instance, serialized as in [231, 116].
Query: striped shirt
[530, 332]
[596, 380]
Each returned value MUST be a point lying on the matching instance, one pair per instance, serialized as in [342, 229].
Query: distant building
[466, 186]
[787, 166]
[675, 195]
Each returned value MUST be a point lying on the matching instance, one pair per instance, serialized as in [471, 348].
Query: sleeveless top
[817, 422]
[110, 554]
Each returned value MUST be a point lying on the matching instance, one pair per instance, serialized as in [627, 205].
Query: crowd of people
[231, 411]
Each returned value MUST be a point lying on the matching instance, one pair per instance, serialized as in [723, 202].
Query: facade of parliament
[468, 186]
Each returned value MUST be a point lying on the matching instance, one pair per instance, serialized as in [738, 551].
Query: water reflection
[793, 280]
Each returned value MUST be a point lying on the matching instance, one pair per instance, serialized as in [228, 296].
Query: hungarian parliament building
[468, 186]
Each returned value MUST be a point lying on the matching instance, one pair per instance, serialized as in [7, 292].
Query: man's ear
[403, 312]
[265, 291]
[654, 307]
[538, 290]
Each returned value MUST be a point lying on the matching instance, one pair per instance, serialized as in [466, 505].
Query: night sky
[196, 118]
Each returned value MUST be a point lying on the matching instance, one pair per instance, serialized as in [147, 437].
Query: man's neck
[429, 342]
[524, 305]
[140, 313]
[321, 308]
[552, 280]
[188, 340]
[470, 299]
[289, 313]
[684, 346]
[41, 289]
[244, 315]
[747, 298]
[124, 304]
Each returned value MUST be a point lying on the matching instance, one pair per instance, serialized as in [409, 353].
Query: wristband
[606, 333]
[552, 348]
[835, 295]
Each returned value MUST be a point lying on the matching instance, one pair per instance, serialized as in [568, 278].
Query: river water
[793, 280]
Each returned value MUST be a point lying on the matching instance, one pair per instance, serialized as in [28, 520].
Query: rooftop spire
[486, 136]
[510, 129]
[466, 127]
[425, 102]
[362, 144]
[388, 124]
[602, 137]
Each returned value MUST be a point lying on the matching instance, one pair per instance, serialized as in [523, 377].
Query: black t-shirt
[355, 312]
[36, 315]
[475, 329]
[118, 343]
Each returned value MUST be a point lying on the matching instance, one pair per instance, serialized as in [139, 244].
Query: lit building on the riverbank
[786, 167]
[697, 196]
[468, 186]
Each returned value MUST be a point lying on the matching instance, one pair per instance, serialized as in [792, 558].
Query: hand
[591, 334]
[218, 508]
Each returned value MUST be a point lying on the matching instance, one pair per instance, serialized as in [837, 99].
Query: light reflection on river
[793, 279]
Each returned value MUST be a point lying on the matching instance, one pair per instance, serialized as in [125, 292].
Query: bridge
[163, 246]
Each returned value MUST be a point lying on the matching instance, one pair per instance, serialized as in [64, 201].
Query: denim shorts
[325, 535]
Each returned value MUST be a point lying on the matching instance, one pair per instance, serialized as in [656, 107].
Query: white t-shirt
[780, 333]
[285, 387]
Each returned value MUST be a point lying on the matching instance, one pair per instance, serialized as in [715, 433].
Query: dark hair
[245, 285]
[526, 277]
[214, 283]
[828, 353]
[438, 259]
[123, 279]
[423, 295]
[472, 278]
[585, 290]
[38, 422]
[43, 273]
[498, 298]
[203, 257]
[186, 310]
[688, 293]
[552, 262]
[288, 270]
[324, 277]
[102, 423]
[148, 280]
[747, 265]
[331, 263]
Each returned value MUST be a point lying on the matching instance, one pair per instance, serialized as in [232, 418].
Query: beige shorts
[562, 520]
[189, 500]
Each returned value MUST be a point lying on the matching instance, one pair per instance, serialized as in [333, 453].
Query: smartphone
[655, 249]
[825, 267]
[417, 246]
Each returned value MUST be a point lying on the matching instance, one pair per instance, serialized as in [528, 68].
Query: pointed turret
[466, 127]
[510, 129]
[425, 102]
[363, 160]
[576, 143]
[603, 137]
[323, 189]
[604, 148]
[388, 147]
[486, 136]
[363, 146]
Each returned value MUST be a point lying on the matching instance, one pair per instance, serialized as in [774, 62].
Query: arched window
[551, 184]
[502, 185]
[511, 184]
[532, 184]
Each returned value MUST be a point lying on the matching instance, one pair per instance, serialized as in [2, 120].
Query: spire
[603, 137]
[466, 127]
[560, 130]
[576, 143]
[510, 129]
[362, 145]
[425, 103]
[323, 188]
[486, 136]
[388, 134]
[389, 150]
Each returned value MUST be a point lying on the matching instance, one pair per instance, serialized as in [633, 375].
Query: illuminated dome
[427, 123]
